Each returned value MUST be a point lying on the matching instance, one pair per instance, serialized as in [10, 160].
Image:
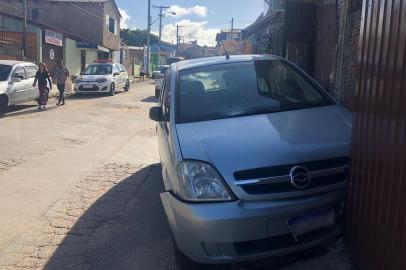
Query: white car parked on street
[16, 83]
[103, 76]
[159, 79]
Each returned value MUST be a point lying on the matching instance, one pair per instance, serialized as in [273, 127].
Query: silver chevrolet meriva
[255, 158]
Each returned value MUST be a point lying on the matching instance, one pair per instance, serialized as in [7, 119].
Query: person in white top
[142, 73]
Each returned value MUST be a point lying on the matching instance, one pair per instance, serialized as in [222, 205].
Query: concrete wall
[347, 59]
[72, 56]
[111, 40]
[81, 20]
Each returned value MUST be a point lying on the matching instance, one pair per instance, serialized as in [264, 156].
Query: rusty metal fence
[376, 216]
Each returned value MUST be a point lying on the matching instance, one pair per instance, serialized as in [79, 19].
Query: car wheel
[157, 92]
[127, 86]
[112, 89]
[3, 105]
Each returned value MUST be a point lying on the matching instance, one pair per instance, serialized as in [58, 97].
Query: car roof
[13, 62]
[200, 62]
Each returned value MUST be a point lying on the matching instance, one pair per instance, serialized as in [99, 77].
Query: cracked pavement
[79, 189]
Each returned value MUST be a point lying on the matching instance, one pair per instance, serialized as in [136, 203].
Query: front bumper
[92, 87]
[245, 230]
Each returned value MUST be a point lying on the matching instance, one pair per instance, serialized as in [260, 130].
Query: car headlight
[200, 182]
[102, 80]
[78, 81]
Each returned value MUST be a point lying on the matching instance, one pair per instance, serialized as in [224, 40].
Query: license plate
[87, 86]
[312, 222]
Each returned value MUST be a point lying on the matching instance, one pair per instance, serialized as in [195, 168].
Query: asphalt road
[79, 189]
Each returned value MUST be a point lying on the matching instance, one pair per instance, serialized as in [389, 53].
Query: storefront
[52, 49]
[79, 54]
[11, 40]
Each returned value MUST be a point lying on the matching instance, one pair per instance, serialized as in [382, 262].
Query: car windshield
[247, 88]
[163, 69]
[98, 70]
[4, 72]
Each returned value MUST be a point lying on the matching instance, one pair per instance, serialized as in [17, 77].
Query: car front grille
[94, 88]
[277, 180]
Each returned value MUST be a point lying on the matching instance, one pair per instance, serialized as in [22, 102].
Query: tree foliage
[136, 37]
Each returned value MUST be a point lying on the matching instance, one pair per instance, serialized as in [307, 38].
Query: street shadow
[126, 228]
[18, 110]
[91, 95]
[151, 99]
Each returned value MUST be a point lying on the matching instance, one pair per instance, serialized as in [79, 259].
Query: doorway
[82, 60]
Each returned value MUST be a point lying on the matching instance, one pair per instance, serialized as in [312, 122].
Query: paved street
[80, 184]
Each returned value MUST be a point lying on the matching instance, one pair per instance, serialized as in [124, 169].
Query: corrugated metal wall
[376, 216]
[300, 34]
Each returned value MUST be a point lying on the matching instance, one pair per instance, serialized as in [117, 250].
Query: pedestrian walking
[61, 75]
[42, 76]
[142, 73]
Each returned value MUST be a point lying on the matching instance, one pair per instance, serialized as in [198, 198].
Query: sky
[201, 19]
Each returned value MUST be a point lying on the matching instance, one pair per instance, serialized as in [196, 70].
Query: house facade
[77, 32]
[320, 36]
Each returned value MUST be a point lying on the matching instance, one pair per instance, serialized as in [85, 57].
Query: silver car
[16, 83]
[255, 158]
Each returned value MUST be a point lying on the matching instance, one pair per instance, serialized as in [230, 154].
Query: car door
[116, 78]
[124, 74]
[31, 70]
[19, 90]
[164, 134]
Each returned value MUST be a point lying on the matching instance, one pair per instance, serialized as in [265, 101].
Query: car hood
[3, 86]
[268, 140]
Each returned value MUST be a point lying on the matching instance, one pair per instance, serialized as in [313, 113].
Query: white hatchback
[102, 77]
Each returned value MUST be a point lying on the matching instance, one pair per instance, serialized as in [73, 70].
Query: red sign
[53, 38]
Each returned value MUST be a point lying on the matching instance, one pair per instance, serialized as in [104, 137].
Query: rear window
[241, 89]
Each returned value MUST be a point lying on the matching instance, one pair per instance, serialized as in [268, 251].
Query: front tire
[3, 105]
[112, 89]
[127, 86]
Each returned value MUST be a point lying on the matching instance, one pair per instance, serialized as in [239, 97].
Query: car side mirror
[116, 73]
[155, 113]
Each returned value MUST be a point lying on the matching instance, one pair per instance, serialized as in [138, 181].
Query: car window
[20, 73]
[121, 68]
[4, 72]
[167, 100]
[31, 71]
[115, 69]
[98, 70]
[239, 89]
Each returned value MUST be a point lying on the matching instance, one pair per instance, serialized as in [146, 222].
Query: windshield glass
[4, 72]
[98, 70]
[240, 89]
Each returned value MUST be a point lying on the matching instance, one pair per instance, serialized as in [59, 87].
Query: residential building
[77, 31]
[322, 37]
[228, 34]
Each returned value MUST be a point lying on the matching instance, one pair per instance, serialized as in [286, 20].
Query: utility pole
[24, 48]
[161, 8]
[232, 28]
[177, 38]
[148, 35]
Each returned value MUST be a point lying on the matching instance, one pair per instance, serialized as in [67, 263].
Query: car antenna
[225, 50]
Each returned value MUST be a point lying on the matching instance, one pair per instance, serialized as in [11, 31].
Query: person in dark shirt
[42, 77]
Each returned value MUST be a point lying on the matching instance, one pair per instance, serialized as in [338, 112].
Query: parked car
[16, 83]
[103, 76]
[254, 156]
[160, 69]
[159, 79]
